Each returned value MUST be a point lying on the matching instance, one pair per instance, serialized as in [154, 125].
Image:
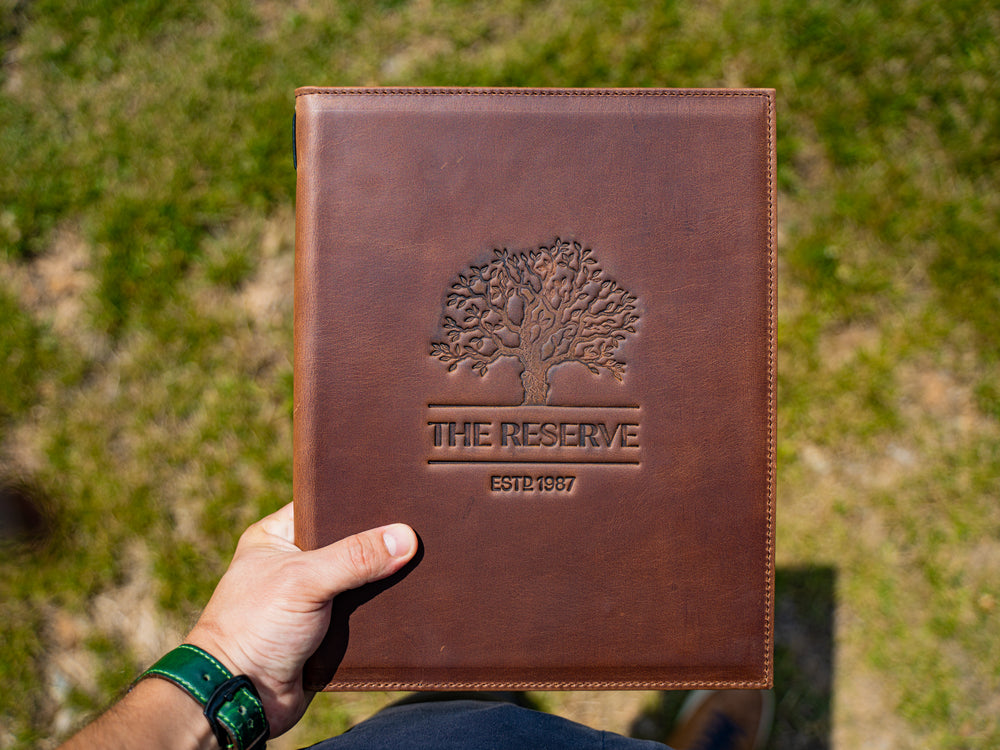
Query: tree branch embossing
[543, 307]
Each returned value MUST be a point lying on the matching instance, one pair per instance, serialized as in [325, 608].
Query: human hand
[271, 609]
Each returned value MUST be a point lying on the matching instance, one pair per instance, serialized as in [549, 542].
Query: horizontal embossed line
[529, 406]
[529, 461]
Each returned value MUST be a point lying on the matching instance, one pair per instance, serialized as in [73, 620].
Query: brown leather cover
[539, 327]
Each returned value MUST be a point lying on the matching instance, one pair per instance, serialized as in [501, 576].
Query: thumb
[362, 558]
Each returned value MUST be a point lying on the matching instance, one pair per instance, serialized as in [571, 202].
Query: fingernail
[398, 540]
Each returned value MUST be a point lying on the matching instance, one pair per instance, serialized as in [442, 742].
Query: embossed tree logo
[544, 307]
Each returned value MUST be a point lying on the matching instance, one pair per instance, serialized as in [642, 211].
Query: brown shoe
[724, 720]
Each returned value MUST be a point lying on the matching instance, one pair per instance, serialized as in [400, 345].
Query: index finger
[279, 524]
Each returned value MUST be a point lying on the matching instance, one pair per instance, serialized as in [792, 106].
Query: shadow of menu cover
[539, 327]
[805, 613]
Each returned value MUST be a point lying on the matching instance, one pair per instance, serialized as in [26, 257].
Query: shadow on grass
[26, 518]
[803, 665]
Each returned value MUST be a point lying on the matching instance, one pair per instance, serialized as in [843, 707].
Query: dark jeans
[440, 722]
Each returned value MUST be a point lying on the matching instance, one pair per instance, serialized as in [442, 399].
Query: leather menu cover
[539, 327]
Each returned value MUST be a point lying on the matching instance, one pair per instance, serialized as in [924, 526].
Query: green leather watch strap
[230, 704]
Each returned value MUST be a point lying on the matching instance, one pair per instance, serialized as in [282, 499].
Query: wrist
[187, 727]
[153, 714]
[204, 638]
[230, 705]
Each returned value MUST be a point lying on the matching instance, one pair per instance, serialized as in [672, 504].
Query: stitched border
[457, 91]
[195, 690]
[157, 672]
[573, 685]
[772, 251]
[205, 655]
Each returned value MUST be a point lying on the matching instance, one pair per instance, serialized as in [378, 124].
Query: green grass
[145, 299]
[27, 351]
